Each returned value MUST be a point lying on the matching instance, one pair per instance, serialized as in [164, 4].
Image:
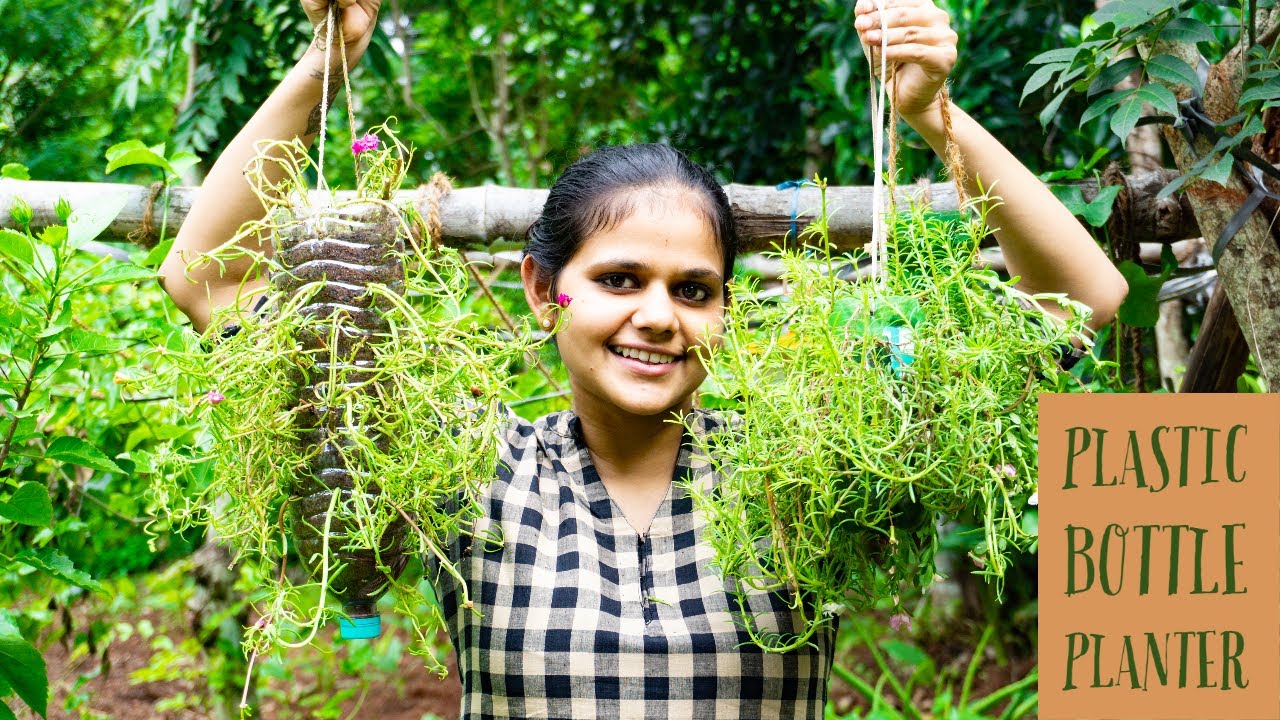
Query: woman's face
[644, 294]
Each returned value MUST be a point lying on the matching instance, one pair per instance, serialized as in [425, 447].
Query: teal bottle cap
[360, 628]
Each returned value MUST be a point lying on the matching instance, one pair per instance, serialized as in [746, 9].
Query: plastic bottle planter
[334, 255]
[888, 327]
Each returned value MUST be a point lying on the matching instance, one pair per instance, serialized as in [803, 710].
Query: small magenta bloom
[213, 397]
[897, 621]
[563, 300]
[1008, 470]
[364, 144]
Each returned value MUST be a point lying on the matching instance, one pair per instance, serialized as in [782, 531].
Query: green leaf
[1140, 308]
[158, 253]
[1031, 522]
[904, 652]
[1056, 55]
[16, 245]
[183, 161]
[120, 273]
[1040, 78]
[1173, 186]
[1129, 13]
[1188, 30]
[88, 223]
[1097, 212]
[1269, 90]
[1174, 70]
[1071, 197]
[15, 171]
[1091, 30]
[87, 341]
[22, 667]
[80, 452]
[1112, 74]
[5, 712]
[1051, 110]
[1219, 171]
[1126, 118]
[1105, 103]
[1158, 97]
[30, 505]
[133, 152]
[59, 566]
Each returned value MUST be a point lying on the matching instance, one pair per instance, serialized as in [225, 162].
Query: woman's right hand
[359, 18]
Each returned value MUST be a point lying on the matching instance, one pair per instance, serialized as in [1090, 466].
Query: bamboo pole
[492, 216]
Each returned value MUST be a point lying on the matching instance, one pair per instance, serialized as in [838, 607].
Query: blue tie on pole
[794, 186]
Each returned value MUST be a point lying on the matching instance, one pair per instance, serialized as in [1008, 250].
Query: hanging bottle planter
[357, 407]
[869, 410]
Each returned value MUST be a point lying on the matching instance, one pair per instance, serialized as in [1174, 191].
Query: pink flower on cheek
[563, 300]
[364, 144]
[213, 397]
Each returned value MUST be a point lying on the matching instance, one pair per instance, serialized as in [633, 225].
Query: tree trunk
[1219, 356]
[1247, 270]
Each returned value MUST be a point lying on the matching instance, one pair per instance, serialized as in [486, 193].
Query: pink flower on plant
[563, 300]
[213, 397]
[1008, 470]
[364, 144]
[898, 620]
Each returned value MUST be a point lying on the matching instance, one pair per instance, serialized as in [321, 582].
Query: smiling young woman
[602, 598]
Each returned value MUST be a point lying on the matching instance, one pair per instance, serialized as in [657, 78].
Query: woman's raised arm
[226, 201]
[1043, 243]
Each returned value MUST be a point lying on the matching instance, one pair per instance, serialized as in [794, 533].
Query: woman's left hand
[919, 40]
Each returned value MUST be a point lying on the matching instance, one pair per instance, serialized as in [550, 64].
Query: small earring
[546, 323]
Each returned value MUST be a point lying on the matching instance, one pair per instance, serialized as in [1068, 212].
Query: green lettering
[1159, 453]
[1186, 452]
[1128, 665]
[1208, 454]
[1232, 659]
[1132, 461]
[1205, 662]
[1198, 586]
[1104, 559]
[1073, 656]
[1175, 546]
[1072, 453]
[1229, 544]
[1231, 453]
[1144, 559]
[1083, 553]
[1153, 651]
[1097, 663]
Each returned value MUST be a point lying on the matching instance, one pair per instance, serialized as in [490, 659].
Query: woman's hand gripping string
[359, 18]
[919, 44]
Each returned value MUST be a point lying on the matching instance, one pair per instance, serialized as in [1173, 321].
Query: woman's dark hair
[597, 192]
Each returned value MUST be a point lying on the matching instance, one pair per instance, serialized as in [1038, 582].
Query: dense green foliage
[870, 409]
[506, 91]
[509, 91]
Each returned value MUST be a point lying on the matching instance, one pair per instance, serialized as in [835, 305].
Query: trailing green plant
[868, 409]
[71, 506]
[408, 411]
[891, 696]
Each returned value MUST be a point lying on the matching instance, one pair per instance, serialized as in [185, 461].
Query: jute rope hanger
[333, 18]
[884, 184]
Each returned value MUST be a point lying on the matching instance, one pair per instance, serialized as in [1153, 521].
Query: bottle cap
[360, 628]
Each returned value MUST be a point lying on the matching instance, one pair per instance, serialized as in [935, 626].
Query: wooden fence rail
[492, 216]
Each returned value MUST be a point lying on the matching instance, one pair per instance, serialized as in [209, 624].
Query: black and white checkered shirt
[581, 617]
